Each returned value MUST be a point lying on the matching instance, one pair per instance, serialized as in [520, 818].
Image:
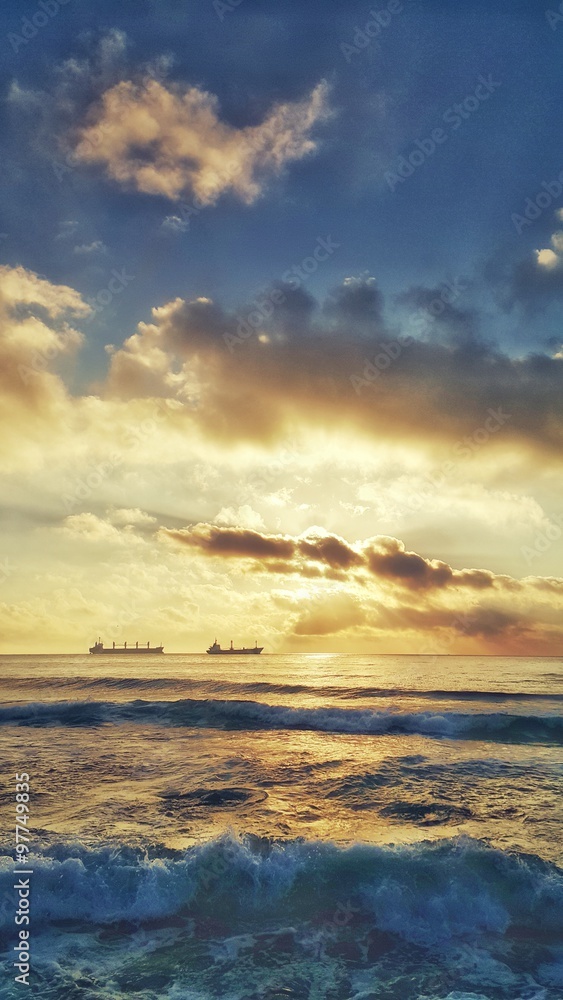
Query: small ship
[99, 647]
[216, 649]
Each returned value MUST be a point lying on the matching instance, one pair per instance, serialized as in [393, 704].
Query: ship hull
[236, 652]
[126, 652]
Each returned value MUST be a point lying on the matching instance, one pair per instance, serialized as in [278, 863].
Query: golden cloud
[170, 141]
[35, 333]
[383, 557]
[377, 587]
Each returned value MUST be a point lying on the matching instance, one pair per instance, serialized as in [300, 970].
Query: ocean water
[339, 827]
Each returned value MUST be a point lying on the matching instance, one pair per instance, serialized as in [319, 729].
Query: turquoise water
[289, 826]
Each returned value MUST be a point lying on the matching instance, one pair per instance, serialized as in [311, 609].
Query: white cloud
[244, 516]
[123, 516]
[89, 527]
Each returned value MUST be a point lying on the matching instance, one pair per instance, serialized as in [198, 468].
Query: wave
[426, 894]
[251, 715]
[206, 688]
[249, 917]
[267, 687]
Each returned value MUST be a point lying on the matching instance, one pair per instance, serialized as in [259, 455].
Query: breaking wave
[426, 894]
[251, 715]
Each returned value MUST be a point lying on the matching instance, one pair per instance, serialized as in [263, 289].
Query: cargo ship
[215, 649]
[99, 647]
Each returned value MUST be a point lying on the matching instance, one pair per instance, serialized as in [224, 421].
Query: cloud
[358, 301]
[377, 587]
[239, 542]
[254, 376]
[388, 558]
[336, 613]
[537, 281]
[87, 248]
[168, 140]
[385, 558]
[534, 282]
[244, 516]
[288, 554]
[19, 287]
[547, 259]
[303, 376]
[44, 424]
[75, 84]
[88, 527]
[35, 332]
[436, 318]
[132, 516]
[174, 224]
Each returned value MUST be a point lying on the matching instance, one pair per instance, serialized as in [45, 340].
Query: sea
[305, 827]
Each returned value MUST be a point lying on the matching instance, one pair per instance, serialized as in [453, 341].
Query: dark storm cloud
[239, 542]
[257, 377]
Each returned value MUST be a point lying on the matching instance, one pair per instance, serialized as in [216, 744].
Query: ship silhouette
[215, 649]
[99, 647]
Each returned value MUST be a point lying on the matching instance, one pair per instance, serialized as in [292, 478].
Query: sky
[280, 326]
